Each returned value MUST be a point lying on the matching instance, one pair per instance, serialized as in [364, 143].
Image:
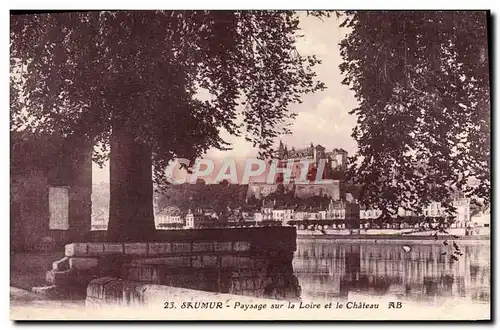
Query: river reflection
[329, 270]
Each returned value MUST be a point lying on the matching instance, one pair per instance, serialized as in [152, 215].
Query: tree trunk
[131, 216]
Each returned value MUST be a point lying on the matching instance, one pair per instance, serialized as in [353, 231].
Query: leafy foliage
[82, 73]
[423, 121]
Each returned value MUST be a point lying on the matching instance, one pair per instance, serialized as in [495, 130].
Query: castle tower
[340, 157]
[319, 153]
[281, 150]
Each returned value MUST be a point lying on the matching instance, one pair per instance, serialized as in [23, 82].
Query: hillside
[217, 196]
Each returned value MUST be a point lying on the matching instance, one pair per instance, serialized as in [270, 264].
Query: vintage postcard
[250, 165]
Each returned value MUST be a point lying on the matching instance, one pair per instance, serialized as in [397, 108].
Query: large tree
[423, 122]
[129, 83]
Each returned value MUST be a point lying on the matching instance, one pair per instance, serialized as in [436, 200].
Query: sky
[323, 117]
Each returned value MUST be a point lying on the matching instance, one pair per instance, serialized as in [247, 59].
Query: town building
[246, 213]
[199, 218]
[258, 217]
[481, 219]
[234, 217]
[430, 214]
[462, 212]
[267, 210]
[344, 212]
[283, 213]
[170, 217]
[337, 214]
[314, 213]
[369, 214]
[338, 159]
[301, 213]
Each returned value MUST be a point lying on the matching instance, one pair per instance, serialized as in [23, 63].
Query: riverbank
[378, 237]
[392, 240]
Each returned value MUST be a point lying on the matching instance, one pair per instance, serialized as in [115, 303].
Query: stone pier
[245, 261]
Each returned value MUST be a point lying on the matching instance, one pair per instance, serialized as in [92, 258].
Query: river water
[419, 271]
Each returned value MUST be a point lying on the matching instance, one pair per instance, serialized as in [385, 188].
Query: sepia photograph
[317, 165]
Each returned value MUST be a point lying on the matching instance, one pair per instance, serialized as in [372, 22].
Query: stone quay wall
[250, 261]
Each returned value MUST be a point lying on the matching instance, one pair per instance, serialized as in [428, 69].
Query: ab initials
[397, 304]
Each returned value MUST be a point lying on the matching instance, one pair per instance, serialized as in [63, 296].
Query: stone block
[236, 262]
[50, 291]
[274, 253]
[111, 264]
[243, 263]
[54, 292]
[181, 247]
[203, 247]
[108, 290]
[210, 261]
[178, 261]
[113, 248]
[113, 291]
[184, 261]
[241, 246]
[227, 261]
[171, 280]
[261, 272]
[75, 250]
[159, 248]
[133, 273]
[131, 293]
[197, 261]
[146, 274]
[138, 249]
[95, 288]
[246, 271]
[156, 276]
[62, 264]
[95, 249]
[60, 278]
[223, 246]
[267, 281]
[83, 263]
[261, 263]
